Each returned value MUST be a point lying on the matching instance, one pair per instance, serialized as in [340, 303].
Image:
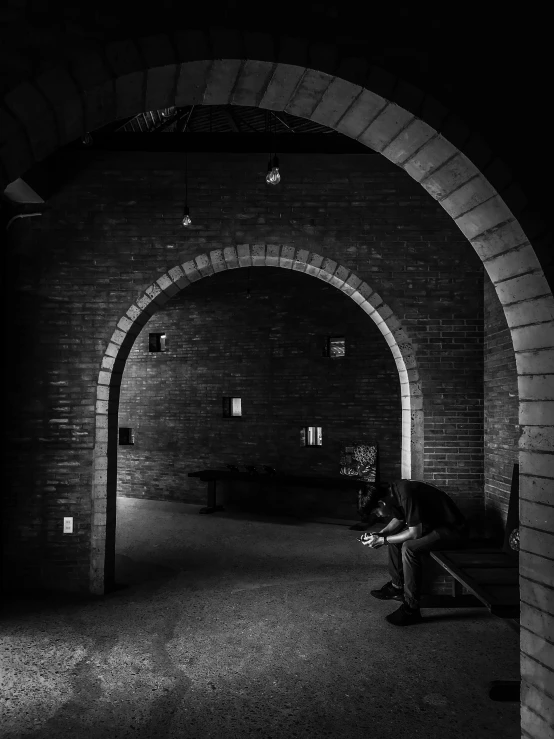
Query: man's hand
[372, 540]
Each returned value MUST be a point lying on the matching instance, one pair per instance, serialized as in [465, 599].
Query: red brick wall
[501, 411]
[266, 350]
[113, 227]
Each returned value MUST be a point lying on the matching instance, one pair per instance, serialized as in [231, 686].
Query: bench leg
[456, 588]
[504, 690]
[211, 507]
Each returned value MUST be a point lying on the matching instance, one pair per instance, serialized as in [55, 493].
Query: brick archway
[129, 77]
[156, 295]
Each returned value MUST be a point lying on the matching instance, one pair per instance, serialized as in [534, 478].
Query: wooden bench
[492, 576]
[277, 480]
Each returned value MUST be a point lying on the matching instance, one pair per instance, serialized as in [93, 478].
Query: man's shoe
[388, 592]
[404, 616]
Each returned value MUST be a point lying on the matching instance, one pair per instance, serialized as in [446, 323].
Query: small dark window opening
[311, 436]
[232, 407]
[335, 346]
[126, 437]
[157, 343]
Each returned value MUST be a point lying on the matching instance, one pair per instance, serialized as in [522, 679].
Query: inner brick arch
[129, 77]
[157, 295]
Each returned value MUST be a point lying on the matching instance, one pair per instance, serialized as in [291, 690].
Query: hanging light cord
[273, 177]
[186, 220]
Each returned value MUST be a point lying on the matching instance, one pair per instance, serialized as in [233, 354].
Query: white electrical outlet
[68, 525]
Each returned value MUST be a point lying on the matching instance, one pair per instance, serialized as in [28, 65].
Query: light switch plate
[68, 525]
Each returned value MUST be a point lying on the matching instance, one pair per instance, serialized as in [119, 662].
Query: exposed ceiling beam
[285, 124]
[173, 120]
[250, 126]
[184, 128]
[224, 142]
[231, 120]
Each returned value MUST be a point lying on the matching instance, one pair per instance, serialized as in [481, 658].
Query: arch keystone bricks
[231, 257]
[190, 270]
[483, 217]
[361, 113]
[537, 336]
[221, 80]
[515, 262]
[536, 310]
[385, 127]
[308, 93]
[301, 259]
[204, 265]
[165, 282]
[272, 255]
[178, 277]
[408, 141]
[243, 252]
[336, 100]
[449, 176]
[527, 286]
[467, 196]
[499, 239]
[430, 157]
[282, 84]
[287, 257]
[252, 82]
[258, 255]
[218, 260]
[191, 83]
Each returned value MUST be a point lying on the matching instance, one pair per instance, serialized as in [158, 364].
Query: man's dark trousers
[405, 565]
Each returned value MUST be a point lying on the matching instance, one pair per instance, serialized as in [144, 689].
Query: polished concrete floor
[235, 626]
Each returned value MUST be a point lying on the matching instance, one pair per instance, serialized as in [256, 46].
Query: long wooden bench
[268, 481]
[492, 576]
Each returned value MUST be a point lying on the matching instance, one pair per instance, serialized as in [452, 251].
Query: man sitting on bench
[423, 518]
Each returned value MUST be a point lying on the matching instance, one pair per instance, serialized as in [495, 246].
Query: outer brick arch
[156, 295]
[120, 83]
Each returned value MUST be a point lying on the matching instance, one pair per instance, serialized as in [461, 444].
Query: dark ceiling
[218, 128]
[216, 119]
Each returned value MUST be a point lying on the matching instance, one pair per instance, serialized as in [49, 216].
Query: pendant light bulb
[186, 217]
[273, 177]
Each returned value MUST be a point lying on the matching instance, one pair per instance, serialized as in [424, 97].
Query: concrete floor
[242, 627]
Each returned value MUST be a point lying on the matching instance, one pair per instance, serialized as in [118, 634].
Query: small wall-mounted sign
[232, 407]
[335, 347]
[126, 436]
[157, 343]
[311, 436]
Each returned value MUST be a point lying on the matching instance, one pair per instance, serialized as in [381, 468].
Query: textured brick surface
[17, 156]
[268, 351]
[501, 410]
[115, 230]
